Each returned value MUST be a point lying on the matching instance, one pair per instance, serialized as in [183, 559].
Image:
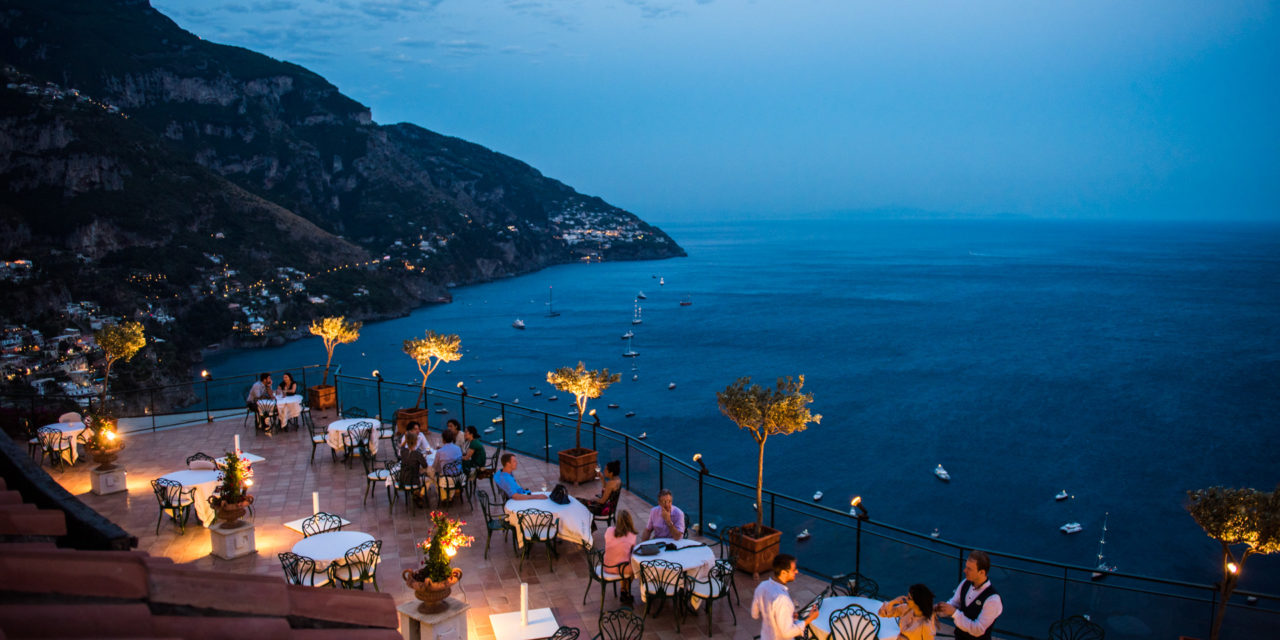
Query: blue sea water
[1123, 362]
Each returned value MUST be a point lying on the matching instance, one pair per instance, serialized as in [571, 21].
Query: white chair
[70, 417]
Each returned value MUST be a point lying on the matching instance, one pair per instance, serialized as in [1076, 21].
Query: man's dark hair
[262, 377]
[455, 424]
[614, 467]
[665, 492]
[980, 558]
[782, 562]
[412, 425]
[506, 457]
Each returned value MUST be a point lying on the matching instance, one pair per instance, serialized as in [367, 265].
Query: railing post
[304, 381]
[546, 437]
[857, 554]
[380, 420]
[152, 403]
[208, 415]
[1063, 613]
[661, 483]
[504, 427]
[337, 399]
[702, 524]
[1213, 612]
[626, 456]
[773, 504]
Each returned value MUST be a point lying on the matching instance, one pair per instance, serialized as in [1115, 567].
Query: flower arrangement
[235, 479]
[440, 547]
[101, 430]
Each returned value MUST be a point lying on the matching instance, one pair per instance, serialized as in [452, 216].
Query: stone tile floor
[282, 488]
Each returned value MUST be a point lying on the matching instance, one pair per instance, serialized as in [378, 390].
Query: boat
[442, 411]
[671, 386]
[1103, 568]
[1071, 527]
[641, 296]
[532, 388]
[629, 414]
[537, 393]
[712, 526]
[551, 310]
[817, 496]
[942, 474]
[628, 335]
[802, 536]
[552, 398]
[635, 319]
[935, 533]
[572, 411]
[518, 324]
[662, 281]
[493, 395]
[1062, 495]
[630, 353]
[613, 406]
[519, 432]
[643, 435]
[496, 420]
[635, 376]
[686, 301]
[516, 401]
[490, 429]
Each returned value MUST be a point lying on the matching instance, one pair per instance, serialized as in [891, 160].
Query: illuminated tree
[766, 412]
[1236, 517]
[429, 352]
[334, 331]
[583, 385]
[119, 342]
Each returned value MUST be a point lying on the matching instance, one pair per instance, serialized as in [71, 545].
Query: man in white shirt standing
[772, 603]
[976, 604]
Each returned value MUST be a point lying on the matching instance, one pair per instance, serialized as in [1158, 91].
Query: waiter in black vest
[976, 604]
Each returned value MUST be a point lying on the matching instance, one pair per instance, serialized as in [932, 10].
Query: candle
[315, 502]
[237, 449]
[524, 604]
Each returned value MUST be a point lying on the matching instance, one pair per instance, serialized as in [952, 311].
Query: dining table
[329, 547]
[69, 432]
[338, 428]
[822, 625]
[695, 558]
[573, 518]
[289, 407]
[204, 481]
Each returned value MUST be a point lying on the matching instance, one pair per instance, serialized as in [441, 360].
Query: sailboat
[686, 301]
[628, 334]
[630, 353]
[636, 319]
[641, 296]
[1103, 568]
[518, 324]
[551, 310]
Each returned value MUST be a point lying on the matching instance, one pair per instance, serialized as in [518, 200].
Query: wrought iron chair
[451, 483]
[490, 468]
[596, 572]
[201, 456]
[373, 475]
[727, 537]
[855, 584]
[662, 580]
[609, 512]
[301, 570]
[717, 585]
[320, 523]
[622, 624]
[361, 566]
[399, 485]
[34, 447]
[854, 623]
[55, 445]
[536, 526]
[494, 522]
[175, 501]
[318, 437]
[355, 441]
[355, 412]
[565, 633]
[268, 416]
[1076, 628]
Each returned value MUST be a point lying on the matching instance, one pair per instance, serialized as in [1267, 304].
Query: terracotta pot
[322, 396]
[405, 416]
[754, 551]
[105, 458]
[578, 465]
[230, 513]
[432, 594]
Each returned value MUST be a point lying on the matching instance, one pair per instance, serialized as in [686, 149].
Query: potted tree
[578, 465]
[764, 412]
[1236, 517]
[333, 331]
[119, 342]
[433, 582]
[231, 499]
[102, 443]
[428, 352]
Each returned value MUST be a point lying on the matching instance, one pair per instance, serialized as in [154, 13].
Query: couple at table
[261, 390]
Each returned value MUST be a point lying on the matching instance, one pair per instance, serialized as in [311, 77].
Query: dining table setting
[826, 606]
[70, 430]
[204, 481]
[573, 517]
[695, 558]
[338, 428]
[330, 547]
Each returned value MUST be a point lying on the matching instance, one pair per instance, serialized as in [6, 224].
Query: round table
[330, 546]
[574, 518]
[695, 558]
[289, 407]
[821, 626]
[204, 481]
[337, 428]
[69, 432]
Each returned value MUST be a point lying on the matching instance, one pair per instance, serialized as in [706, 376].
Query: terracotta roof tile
[76, 620]
[108, 574]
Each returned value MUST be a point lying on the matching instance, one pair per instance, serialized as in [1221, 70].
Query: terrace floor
[283, 485]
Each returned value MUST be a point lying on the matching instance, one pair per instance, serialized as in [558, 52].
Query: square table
[542, 624]
[296, 525]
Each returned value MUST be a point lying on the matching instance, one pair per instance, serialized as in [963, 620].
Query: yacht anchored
[628, 335]
[1062, 495]
[551, 309]
[942, 474]
[817, 496]
[672, 386]
[641, 296]
[518, 324]
[802, 536]
[630, 353]
[1071, 527]
[636, 318]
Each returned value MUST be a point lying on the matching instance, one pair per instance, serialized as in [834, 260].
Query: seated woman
[610, 485]
[914, 612]
[413, 466]
[287, 386]
[473, 454]
[618, 542]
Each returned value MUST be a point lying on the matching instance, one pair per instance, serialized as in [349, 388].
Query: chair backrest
[536, 524]
[69, 417]
[202, 457]
[297, 569]
[315, 429]
[722, 572]
[595, 561]
[355, 412]
[168, 492]
[854, 623]
[359, 433]
[661, 576]
[363, 559]
[622, 624]
[320, 523]
[1076, 628]
[487, 510]
[855, 584]
[565, 633]
[452, 469]
[50, 437]
[267, 405]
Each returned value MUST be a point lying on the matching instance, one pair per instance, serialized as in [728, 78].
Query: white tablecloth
[69, 432]
[204, 482]
[339, 427]
[328, 547]
[696, 558]
[574, 518]
[822, 626]
[290, 407]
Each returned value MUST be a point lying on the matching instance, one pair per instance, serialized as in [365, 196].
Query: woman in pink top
[618, 541]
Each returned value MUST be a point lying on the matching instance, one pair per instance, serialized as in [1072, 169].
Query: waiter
[976, 604]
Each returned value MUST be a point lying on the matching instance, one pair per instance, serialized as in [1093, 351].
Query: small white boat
[493, 395]
[635, 376]
[671, 386]
[442, 411]
[630, 414]
[635, 319]
[640, 296]
[643, 435]
[553, 398]
[1062, 495]
[537, 393]
[942, 474]
[572, 412]
[1103, 568]
[516, 401]
[1071, 527]
[712, 526]
[817, 496]
[630, 353]
[518, 324]
[490, 429]
[495, 420]
[519, 432]
[802, 536]
[662, 281]
[532, 388]
[935, 532]
[628, 335]
[686, 301]
[613, 406]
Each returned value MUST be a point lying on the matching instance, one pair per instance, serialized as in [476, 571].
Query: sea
[1123, 362]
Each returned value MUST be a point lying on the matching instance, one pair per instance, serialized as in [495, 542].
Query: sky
[687, 110]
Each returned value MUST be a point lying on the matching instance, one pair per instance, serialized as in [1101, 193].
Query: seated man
[447, 454]
[506, 482]
[415, 428]
[665, 520]
[261, 389]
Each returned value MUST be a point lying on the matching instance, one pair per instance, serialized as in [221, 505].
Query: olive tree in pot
[764, 412]
[428, 352]
[333, 331]
[1236, 517]
[577, 465]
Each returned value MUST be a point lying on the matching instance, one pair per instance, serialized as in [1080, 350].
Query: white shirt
[991, 609]
[773, 606]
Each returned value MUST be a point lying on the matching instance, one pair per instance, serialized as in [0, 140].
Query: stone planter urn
[230, 512]
[105, 458]
[432, 594]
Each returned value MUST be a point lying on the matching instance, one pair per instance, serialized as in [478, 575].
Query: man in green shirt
[473, 455]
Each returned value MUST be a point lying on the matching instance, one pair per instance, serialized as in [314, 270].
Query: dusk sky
[700, 109]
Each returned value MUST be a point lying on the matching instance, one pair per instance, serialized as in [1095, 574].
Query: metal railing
[1036, 592]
